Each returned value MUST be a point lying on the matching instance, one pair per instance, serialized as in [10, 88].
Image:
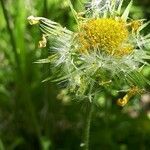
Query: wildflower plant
[106, 51]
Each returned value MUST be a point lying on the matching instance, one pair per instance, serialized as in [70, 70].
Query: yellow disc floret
[108, 35]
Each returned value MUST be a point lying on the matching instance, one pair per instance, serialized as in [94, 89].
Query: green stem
[10, 31]
[45, 10]
[87, 127]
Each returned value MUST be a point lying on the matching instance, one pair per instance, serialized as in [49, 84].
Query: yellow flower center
[106, 35]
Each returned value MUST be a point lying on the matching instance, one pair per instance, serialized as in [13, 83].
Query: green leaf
[56, 79]
[43, 61]
[119, 7]
[138, 79]
[143, 26]
[1, 145]
[47, 60]
[73, 11]
[127, 10]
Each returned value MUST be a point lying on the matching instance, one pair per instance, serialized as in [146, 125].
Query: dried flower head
[106, 51]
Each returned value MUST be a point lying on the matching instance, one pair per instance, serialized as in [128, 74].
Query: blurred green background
[40, 116]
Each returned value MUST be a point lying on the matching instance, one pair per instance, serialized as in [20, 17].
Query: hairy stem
[87, 127]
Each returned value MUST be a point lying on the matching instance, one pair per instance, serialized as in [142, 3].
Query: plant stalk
[87, 127]
[10, 31]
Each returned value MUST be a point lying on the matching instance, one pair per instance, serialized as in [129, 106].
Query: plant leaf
[127, 10]
[73, 11]
[119, 7]
[143, 26]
